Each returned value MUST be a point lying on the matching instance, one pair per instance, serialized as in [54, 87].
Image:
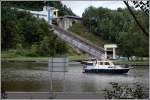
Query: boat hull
[117, 71]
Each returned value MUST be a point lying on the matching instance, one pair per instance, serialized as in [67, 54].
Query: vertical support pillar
[114, 53]
[105, 54]
[49, 17]
[52, 75]
[65, 25]
[50, 69]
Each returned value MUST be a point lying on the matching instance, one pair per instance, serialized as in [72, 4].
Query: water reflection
[27, 76]
[21, 85]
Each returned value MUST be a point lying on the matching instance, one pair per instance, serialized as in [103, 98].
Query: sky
[78, 7]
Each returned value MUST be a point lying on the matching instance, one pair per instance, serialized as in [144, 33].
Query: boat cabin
[91, 63]
[104, 63]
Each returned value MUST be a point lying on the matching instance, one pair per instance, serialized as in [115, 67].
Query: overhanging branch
[140, 26]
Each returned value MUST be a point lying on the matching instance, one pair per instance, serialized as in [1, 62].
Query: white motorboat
[104, 66]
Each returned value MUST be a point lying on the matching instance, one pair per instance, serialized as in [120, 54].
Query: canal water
[33, 76]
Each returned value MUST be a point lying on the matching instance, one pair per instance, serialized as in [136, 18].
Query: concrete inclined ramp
[79, 42]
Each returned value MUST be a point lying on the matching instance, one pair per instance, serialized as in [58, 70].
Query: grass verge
[80, 30]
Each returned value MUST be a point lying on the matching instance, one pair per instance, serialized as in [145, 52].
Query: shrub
[125, 92]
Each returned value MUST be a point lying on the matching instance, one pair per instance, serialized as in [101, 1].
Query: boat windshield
[106, 63]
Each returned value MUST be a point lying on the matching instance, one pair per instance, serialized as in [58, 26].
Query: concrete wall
[65, 22]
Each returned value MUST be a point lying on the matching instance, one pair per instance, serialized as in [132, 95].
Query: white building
[110, 51]
[48, 13]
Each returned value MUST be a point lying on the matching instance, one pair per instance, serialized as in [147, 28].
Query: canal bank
[72, 59]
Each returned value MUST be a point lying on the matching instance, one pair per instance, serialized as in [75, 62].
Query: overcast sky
[78, 7]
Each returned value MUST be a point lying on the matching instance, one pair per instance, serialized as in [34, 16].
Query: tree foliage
[38, 6]
[21, 30]
[122, 91]
[118, 26]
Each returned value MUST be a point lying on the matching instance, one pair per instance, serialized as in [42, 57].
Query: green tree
[29, 35]
[118, 26]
